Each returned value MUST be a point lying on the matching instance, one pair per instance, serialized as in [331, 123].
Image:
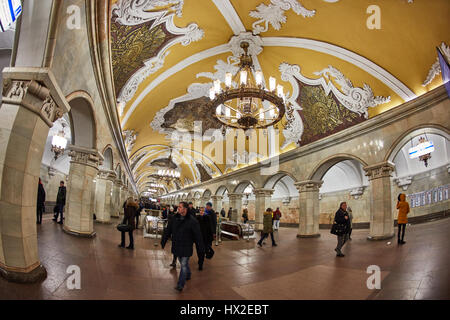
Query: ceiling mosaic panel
[132, 45]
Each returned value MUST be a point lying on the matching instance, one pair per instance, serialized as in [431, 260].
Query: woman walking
[341, 227]
[130, 210]
[267, 228]
[402, 220]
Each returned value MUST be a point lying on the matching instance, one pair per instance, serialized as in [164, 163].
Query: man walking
[60, 202]
[184, 230]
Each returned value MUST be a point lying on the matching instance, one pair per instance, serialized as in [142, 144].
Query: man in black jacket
[40, 206]
[206, 228]
[60, 202]
[184, 231]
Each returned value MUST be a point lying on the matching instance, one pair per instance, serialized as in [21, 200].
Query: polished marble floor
[295, 269]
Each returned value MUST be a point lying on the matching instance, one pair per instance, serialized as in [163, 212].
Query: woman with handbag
[130, 209]
[341, 228]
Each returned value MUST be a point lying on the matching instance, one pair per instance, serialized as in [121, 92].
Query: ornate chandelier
[240, 104]
[59, 143]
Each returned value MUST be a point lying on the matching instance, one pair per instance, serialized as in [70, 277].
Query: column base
[38, 274]
[103, 221]
[315, 235]
[378, 238]
[79, 234]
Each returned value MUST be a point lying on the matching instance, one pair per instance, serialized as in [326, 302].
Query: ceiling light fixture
[240, 103]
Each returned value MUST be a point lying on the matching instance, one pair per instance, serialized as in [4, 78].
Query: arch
[273, 180]
[108, 162]
[82, 120]
[242, 185]
[321, 169]
[207, 194]
[221, 191]
[197, 195]
[413, 132]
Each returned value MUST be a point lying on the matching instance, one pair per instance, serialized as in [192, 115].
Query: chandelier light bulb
[219, 110]
[243, 77]
[259, 78]
[280, 89]
[59, 141]
[217, 86]
[228, 78]
[272, 83]
[212, 93]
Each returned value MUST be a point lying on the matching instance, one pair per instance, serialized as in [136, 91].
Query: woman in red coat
[402, 220]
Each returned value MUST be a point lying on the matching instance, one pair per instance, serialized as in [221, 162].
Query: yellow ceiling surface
[402, 49]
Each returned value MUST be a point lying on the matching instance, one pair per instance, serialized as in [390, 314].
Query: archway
[426, 186]
[29, 108]
[284, 196]
[84, 167]
[336, 179]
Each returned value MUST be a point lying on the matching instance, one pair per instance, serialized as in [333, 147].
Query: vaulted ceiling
[337, 69]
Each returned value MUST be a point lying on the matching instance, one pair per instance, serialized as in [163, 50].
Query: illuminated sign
[421, 149]
[10, 10]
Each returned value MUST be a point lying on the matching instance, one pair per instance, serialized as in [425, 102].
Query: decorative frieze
[107, 175]
[308, 186]
[380, 170]
[263, 192]
[85, 156]
[33, 96]
[404, 182]
[357, 192]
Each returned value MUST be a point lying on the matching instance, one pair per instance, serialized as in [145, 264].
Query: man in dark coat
[341, 218]
[130, 210]
[206, 228]
[60, 202]
[209, 211]
[184, 230]
[40, 206]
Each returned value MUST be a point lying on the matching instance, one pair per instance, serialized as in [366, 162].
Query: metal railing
[249, 229]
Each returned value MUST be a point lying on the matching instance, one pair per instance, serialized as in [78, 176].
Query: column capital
[380, 170]
[235, 196]
[217, 198]
[263, 192]
[85, 156]
[35, 89]
[308, 185]
[107, 175]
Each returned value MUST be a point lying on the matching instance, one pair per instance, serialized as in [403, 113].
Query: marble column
[263, 199]
[308, 195]
[104, 202]
[381, 210]
[235, 203]
[217, 202]
[116, 199]
[80, 204]
[122, 199]
[29, 107]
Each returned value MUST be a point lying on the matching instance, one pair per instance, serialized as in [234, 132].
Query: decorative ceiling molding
[173, 70]
[198, 90]
[357, 100]
[130, 137]
[373, 69]
[134, 12]
[436, 67]
[273, 14]
[226, 9]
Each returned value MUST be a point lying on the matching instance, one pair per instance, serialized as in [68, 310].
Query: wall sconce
[59, 142]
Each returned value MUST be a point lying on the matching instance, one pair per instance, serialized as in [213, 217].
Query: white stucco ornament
[273, 14]
[436, 67]
[355, 99]
[135, 12]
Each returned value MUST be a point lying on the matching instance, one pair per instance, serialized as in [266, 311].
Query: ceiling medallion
[247, 105]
